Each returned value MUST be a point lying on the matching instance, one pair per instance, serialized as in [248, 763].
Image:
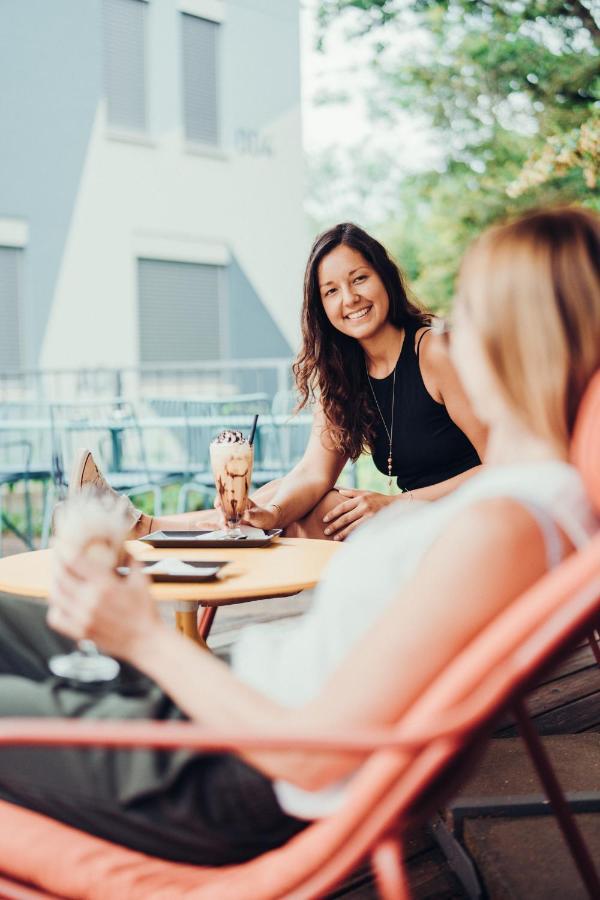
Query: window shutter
[10, 326]
[179, 306]
[200, 83]
[125, 63]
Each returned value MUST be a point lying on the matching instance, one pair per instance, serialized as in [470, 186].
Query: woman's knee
[264, 494]
[312, 525]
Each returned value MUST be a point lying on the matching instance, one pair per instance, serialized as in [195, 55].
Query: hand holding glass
[93, 526]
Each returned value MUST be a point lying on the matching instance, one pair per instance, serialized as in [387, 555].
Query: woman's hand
[215, 523]
[265, 517]
[115, 612]
[356, 508]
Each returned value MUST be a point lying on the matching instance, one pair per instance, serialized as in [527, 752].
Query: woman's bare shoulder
[487, 555]
[496, 537]
[496, 517]
[435, 363]
[433, 345]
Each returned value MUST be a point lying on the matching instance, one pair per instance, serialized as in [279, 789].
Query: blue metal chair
[25, 457]
[111, 429]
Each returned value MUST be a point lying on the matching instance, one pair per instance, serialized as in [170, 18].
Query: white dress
[289, 662]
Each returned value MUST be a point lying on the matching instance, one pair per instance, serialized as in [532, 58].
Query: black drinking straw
[253, 430]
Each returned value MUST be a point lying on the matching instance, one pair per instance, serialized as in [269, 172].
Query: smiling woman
[380, 379]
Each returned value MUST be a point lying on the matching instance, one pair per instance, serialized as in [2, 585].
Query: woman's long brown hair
[331, 365]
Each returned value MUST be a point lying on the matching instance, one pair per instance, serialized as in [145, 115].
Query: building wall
[95, 201]
[50, 72]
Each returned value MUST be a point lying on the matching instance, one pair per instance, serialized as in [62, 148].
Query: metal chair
[9, 476]
[163, 427]
[25, 457]
[284, 436]
[112, 430]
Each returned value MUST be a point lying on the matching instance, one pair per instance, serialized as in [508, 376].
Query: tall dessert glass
[93, 526]
[231, 458]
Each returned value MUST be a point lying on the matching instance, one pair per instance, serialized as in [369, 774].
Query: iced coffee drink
[231, 457]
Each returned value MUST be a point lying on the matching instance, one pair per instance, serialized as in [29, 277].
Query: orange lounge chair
[399, 782]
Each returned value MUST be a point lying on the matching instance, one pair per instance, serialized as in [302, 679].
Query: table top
[285, 567]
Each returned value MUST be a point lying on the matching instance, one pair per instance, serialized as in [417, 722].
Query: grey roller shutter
[10, 326]
[179, 315]
[200, 82]
[125, 63]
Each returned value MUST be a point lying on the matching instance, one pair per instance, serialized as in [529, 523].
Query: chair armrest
[188, 735]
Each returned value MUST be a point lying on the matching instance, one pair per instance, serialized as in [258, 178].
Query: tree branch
[587, 18]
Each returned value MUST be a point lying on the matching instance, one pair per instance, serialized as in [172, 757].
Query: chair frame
[463, 703]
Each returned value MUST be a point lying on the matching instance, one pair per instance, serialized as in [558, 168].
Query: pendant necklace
[389, 431]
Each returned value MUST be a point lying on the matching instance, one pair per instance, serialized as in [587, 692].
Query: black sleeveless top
[427, 447]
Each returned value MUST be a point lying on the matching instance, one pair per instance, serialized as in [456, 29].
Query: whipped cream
[230, 437]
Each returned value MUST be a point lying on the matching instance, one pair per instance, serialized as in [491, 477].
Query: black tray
[191, 539]
[213, 567]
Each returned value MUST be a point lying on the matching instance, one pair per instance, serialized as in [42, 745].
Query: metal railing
[220, 378]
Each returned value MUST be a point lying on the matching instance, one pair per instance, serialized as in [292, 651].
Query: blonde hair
[532, 290]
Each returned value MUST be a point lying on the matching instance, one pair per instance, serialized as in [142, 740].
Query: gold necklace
[389, 431]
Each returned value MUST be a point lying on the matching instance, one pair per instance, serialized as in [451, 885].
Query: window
[125, 63]
[10, 325]
[200, 82]
[179, 311]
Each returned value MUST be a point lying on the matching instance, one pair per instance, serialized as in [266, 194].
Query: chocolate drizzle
[233, 498]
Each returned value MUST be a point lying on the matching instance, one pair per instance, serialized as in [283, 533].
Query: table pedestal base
[186, 620]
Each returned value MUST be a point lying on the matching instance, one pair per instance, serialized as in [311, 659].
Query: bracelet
[277, 507]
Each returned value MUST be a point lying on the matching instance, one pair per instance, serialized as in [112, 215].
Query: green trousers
[209, 809]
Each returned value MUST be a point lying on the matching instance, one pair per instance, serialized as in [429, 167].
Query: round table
[285, 567]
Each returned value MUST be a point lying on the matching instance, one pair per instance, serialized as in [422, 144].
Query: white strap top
[290, 661]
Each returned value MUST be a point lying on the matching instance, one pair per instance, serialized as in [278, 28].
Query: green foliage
[368, 478]
[578, 149]
[510, 92]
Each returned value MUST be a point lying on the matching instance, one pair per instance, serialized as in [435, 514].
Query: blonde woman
[529, 293]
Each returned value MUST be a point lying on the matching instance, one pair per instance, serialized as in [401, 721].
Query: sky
[342, 131]
[342, 67]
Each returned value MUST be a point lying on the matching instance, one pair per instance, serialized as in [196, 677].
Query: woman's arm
[442, 488]
[301, 489]
[357, 506]
[467, 577]
[443, 384]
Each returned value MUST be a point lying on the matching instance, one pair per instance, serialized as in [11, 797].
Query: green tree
[511, 92]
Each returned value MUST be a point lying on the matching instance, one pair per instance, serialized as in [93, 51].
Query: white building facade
[151, 181]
